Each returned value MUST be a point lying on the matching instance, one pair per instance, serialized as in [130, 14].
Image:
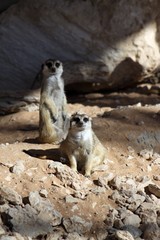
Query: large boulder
[111, 43]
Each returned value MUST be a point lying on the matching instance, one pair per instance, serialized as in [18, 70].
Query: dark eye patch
[85, 119]
[76, 119]
[49, 64]
[57, 64]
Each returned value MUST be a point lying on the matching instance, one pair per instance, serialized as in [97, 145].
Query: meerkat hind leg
[88, 166]
[73, 162]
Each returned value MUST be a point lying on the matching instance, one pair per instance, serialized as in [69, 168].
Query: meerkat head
[80, 122]
[52, 67]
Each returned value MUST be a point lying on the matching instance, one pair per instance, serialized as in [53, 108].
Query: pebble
[18, 168]
[123, 235]
[43, 193]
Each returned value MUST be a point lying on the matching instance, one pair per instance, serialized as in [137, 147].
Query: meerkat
[53, 117]
[81, 146]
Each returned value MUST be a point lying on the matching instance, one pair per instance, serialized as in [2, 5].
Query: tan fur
[53, 117]
[82, 147]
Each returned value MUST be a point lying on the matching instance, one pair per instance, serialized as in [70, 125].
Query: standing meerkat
[81, 146]
[53, 118]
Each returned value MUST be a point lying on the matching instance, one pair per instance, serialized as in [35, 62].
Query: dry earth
[126, 123]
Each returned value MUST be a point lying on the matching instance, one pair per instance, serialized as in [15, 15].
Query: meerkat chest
[83, 143]
[54, 88]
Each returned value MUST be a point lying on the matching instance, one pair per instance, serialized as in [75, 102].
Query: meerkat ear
[42, 66]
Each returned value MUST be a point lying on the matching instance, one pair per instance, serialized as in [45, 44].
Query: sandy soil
[125, 124]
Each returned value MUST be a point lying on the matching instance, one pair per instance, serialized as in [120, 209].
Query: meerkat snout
[52, 67]
[80, 121]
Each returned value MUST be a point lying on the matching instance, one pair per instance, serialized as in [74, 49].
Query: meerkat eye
[49, 64]
[76, 119]
[57, 64]
[85, 119]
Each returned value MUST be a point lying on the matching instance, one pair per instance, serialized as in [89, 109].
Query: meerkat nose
[53, 69]
[80, 123]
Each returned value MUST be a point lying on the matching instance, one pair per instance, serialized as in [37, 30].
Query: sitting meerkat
[81, 146]
[53, 117]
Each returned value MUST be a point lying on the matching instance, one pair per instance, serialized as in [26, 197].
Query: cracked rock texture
[112, 43]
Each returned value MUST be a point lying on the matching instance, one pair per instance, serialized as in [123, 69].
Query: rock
[118, 198]
[98, 190]
[70, 199]
[143, 182]
[43, 193]
[38, 202]
[132, 219]
[31, 222]
[146, 154]
[101, 234]
[104, 179]
[75, 236]
[128, 218]
[147, 212]
[154, 189]
[123, 183]
[80, 194]
[4, 207]
[123, 235]
[8, 194]
[62, 28]
[135, 201]
[58, 233]
[134, 231]
[156, 161]
[71, 178]
[151, 232]
[18, 168]
[156, 177]
[45, 208]
[77, 224]
[148, 140]
[111, 216]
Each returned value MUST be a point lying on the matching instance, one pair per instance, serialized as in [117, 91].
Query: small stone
[156, 161]
[151, 232]
[104, 179]
[57, 235]
[154, 189]
[123, 183]
[132, 219]
[123, 235]
[18, 168]
[75, 236]
[111, 216]
[130, 149]
[135, 201]
[146, 154]
[136, 232]
[10, 195]
[156, 177]
[4, 207]
[43, 193]
[70, 199]
[77, 224]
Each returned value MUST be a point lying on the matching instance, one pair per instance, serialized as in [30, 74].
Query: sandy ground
[124, 123]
